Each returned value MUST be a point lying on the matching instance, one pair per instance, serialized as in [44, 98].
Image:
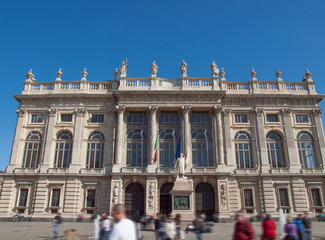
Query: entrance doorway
[205, 200]
[166, 198]
[134, 201]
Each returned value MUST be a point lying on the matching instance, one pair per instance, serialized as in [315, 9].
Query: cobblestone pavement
[43, 230]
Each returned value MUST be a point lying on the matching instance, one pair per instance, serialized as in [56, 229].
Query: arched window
[63, 150]
[136, 153]
[167, 147]
[32, 151]
[95, 150]
[275, 150]
[306, 150]
[202, 153]
[243, 148]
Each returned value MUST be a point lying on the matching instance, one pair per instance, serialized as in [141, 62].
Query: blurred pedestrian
[170, 229]
[307, 226]
[299, 225]
[56, 224]
[290, 229]
[216, 217]
[269, 228]
[157, 225]
[198, 226]
[243, 230]
[162, 227]
[106, 227]
[124, 229]
[178, 222]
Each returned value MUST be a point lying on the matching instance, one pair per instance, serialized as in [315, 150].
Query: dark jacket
[243, 231]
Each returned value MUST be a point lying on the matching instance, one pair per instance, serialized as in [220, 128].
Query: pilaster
[227, 137]
[299, 197]
[152, 196]
[320, 141]
[116, 191]
[152, 112]
[119, 138]
[108, 160]
[187, 135]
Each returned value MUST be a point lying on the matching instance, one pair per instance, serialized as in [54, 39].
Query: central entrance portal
[134, 201]
[166, 198]
[205, 200]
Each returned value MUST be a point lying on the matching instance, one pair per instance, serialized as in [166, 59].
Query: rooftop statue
[214, 69]
[123, 69]
[30, 76]
[183, 68]
[154, 69]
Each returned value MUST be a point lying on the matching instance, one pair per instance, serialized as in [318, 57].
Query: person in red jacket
[269, 228]
[243, 230]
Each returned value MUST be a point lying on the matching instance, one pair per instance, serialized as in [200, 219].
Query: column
[152, 112]
[77, 140]
[263, 161]
[119, 137]
[221, 160]
[16, 146]
[228, 138]
[187, 135]
[293, 159]
[214, 135]
[108, 160]
[48, 140]
[320, 140]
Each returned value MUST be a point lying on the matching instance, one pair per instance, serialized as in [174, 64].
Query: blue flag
[179, 148]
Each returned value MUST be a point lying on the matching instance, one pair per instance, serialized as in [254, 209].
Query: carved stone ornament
[115, 74]
[278, 74]
[84, 75]
[51, 112]
[218, 109]
[253, 74]
[286, 112]
[152, 109]
[308, 76]
[80, 112]
[223, 196]
[154, 69]
[258, 111]
[227, 112]
[123, 68]
[222, 74]
[186, 108]
[115, 193]
[121, 109]
[30, 76]
[59, 74]
[151, 195]
[183, 68]
[21, 112]
[317, 112]
[214, 69]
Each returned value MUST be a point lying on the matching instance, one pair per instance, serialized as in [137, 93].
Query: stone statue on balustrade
[123, 69]
[181, 166]
[154, 69]
[214, 69]
[183, 68]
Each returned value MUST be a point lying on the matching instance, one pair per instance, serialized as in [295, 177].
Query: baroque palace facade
[83, 146]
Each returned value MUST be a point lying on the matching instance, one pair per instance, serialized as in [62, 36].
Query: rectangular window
[66, 117]
[37, 118]
[55, 202]
[272, 118]
[91, 198]
[241, 118]
[284, 198]
[97, 118]
[23, 198]
[301, 118]
[248, 198]
[315, 194]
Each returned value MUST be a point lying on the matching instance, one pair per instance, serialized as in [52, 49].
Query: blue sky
[238, 35]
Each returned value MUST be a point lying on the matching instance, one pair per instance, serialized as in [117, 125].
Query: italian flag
[156, 150]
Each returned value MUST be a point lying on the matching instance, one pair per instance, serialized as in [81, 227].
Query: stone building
[82, 146]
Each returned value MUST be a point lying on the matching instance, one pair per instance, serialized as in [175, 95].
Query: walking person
[56, 224]
[124, 229]
[178, 222]
[198, 226]
[106, 227]
[243, 230]
[170, 229]
[290, 229]
[269, 228]
[157, 225]
[162, 227]
[307, 226]
[299, 225]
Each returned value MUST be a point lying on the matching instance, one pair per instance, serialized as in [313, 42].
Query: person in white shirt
[124, 229]
[170, 229]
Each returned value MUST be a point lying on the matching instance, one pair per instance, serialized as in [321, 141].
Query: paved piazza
[43, 230]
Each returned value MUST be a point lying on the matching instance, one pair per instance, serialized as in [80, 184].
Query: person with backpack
[243, 230]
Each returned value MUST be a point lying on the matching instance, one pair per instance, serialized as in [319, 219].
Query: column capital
[121, 109]
[152, 109]
[286, 112]
[51, 112]
[186, 109]
[317, 112]
[21, 112]
[226, 112]
[80, 112]
[258, 111]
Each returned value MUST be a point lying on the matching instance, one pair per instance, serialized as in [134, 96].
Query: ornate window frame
[59, 118]
[239, 124]
[19, 187]
[242, 187]
[278, 113]
[30, 116]
[283, 185]
[86, 187]
[315, 185]
[90, 115]
[50, 188]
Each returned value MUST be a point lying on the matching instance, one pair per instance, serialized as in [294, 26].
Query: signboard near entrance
[182, 202]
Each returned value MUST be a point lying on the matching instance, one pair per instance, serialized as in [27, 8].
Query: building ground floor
[42, 195]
